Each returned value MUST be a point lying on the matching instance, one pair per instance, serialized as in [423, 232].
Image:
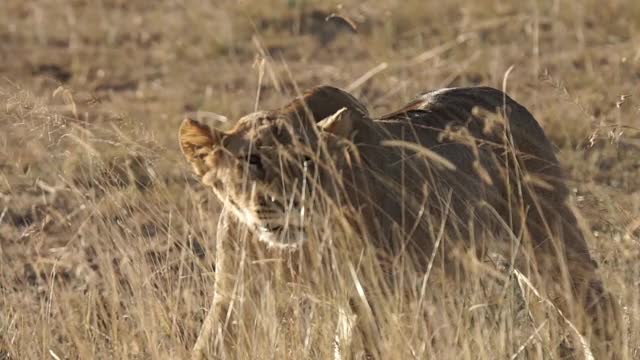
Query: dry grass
[107, 243]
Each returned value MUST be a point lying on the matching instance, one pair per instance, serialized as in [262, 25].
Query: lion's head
[273, 167]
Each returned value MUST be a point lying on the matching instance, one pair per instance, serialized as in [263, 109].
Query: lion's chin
[279, 237]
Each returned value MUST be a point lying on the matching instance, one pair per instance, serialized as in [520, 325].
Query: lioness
[468, 162]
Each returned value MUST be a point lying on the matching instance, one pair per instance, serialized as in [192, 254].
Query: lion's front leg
[215, 327]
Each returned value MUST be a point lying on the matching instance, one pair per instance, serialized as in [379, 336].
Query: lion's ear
[341, 123]
[195, 140]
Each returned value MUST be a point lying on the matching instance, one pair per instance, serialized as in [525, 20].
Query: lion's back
[482, 112]
[501, 155]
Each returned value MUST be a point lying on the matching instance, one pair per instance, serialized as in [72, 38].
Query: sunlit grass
[108, 243]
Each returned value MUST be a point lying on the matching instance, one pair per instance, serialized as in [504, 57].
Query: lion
[470, 162]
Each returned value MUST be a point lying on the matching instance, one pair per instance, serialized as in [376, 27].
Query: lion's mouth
[272, 202]
[282, 224]
[272, 228]
[281, 236]
[279, 223]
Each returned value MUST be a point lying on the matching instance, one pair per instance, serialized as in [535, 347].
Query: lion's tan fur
[470, 161]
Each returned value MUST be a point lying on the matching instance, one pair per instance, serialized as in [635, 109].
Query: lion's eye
[254, 159]
[255, 163]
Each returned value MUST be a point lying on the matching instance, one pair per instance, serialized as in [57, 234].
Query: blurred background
[107, 240]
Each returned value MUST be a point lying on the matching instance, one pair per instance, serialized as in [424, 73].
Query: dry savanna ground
[107, 241]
